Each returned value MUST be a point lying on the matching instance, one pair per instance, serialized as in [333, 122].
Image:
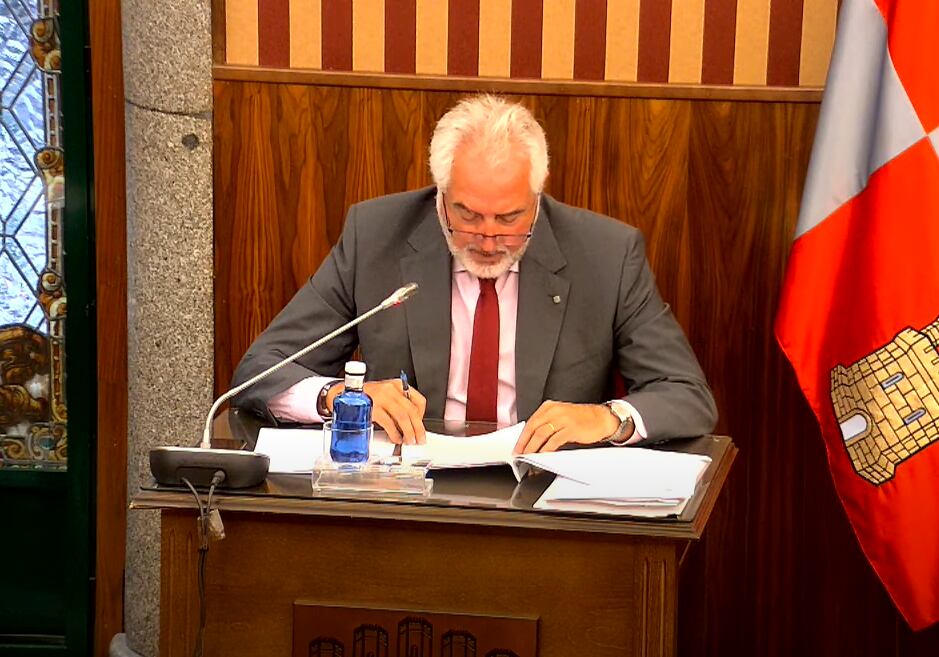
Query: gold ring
[553, 428]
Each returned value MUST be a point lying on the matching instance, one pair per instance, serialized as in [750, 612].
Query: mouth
[487, 256]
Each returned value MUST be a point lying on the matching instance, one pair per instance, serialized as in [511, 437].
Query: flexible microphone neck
[398, 296]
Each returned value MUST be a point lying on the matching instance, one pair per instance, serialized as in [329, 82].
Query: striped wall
[777, 43]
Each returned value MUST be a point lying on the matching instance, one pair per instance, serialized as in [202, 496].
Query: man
[522, 300]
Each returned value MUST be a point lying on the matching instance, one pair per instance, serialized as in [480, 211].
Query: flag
[859, 311]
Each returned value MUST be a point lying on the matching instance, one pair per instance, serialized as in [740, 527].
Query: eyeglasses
[510, 240]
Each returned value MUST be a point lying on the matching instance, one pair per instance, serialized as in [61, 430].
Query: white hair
[498, 127]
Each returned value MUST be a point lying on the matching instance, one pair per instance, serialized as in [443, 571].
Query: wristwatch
[321, 408]
[624, 431]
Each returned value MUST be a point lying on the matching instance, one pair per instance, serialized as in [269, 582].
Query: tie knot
[487, 286]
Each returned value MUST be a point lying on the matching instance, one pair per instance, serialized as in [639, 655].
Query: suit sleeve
[323, 304]
[664, 381]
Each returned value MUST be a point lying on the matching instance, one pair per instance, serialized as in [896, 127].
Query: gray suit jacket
[587, 303]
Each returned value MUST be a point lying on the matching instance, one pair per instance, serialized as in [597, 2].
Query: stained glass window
[32, 294]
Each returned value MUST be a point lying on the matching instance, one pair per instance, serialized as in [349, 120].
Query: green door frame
[81, 365]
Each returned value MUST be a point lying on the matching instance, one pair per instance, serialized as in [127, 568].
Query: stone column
[168, 115]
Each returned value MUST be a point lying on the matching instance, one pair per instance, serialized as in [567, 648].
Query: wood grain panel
[305, 167]
[442, 83]
[107, 91]
[593, 576]
[251, 239]
[715, 186]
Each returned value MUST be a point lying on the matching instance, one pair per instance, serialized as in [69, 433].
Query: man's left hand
[556, 424]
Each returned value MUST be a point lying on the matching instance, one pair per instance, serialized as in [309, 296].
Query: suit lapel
[542, 302]
[428, 312]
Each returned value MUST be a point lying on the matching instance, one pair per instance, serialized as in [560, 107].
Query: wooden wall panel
[107, 91]
[715, 186]
[307, 153]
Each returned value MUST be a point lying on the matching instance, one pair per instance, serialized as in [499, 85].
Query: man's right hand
[400, 417]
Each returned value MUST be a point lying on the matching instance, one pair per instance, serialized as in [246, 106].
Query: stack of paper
[620, 480]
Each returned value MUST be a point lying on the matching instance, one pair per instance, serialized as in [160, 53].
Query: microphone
[242, 469]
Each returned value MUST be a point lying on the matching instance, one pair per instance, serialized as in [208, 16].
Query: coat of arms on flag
[860, 301]
[887, 403]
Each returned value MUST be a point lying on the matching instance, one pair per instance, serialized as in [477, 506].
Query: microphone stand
[242, 469]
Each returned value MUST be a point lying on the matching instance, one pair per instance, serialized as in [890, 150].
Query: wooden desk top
[480, 496]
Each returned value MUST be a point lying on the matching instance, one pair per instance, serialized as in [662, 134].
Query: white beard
[494, 270]
[465, 258]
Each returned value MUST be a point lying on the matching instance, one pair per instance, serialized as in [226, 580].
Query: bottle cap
[355, 368]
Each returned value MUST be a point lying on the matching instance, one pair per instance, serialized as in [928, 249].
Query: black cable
[204, 512]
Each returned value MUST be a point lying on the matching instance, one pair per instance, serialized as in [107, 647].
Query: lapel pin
[556, 299]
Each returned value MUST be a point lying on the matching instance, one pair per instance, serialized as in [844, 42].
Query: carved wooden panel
[327, 631]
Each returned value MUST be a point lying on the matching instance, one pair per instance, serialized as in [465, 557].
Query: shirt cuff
[298, 402]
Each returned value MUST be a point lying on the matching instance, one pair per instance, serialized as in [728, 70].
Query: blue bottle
[352, 418]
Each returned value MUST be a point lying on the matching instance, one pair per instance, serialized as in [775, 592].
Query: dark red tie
[483, 387]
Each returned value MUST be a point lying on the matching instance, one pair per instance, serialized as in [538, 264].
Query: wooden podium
[587, 585]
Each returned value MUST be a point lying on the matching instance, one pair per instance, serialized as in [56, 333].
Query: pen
[404, 385]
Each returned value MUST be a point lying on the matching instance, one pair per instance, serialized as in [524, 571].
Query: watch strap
[321, 408]
[625, 429]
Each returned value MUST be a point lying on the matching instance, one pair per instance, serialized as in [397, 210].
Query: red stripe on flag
[274, 33]
[913, 40]
[853, 282]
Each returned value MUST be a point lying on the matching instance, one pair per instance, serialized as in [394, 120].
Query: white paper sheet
[569, 495]
[465, 452]
[628, 481]
[634, 471]
[294, 451]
